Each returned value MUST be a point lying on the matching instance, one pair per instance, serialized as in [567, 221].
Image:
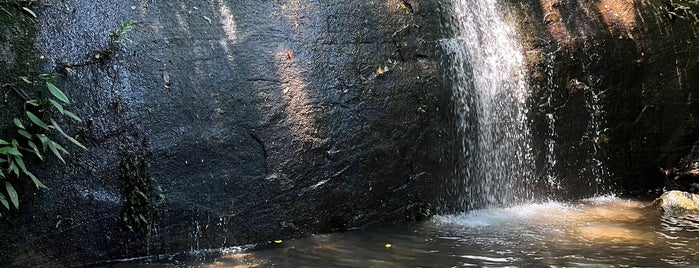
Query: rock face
[257, 120]
[615, 87]
[677, 202]
[260, 120]
[684, 177]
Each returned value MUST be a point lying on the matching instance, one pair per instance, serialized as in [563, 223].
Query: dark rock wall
[640, 64]
[263, 120]
[259, 120]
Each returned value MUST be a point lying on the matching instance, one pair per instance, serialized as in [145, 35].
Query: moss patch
[140, 192]
[18, 58]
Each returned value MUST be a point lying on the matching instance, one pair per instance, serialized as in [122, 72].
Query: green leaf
[57, 92]
[143, 218]
[36, 149]
[36, 181]
[57, 105]
[71, 139]
[10, 150]
[2, 142]
[12, 194]
[29, 11]
[53, 146]
[44, 141]
[13, 168]
[72, 115]
[33, 102]
[4, 202]
[18, 123]
[24, 133]
[143, 195]
[25, 79]
[36, 120]
[2, 173]
[20, 163]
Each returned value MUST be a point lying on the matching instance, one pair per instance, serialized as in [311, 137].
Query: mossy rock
[18, 57]
[678, 202]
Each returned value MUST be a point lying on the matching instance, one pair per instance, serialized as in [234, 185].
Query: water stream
[551, 176]
[598, 232]
[491, 96]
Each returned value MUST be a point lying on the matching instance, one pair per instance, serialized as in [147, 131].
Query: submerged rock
[677, 202]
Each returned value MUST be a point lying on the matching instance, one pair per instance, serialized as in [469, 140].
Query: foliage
[119, 36]
[27, 132]
[138, 214]
[33, 137]
[116, 38]
[685, 9]
[24, 5]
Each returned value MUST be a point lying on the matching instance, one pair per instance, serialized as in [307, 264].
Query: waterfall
[490, 95]
[594, 134]
[551, 177]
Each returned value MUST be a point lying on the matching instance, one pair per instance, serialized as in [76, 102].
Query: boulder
[677, 202]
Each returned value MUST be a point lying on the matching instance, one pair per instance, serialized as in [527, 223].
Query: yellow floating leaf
[388, 245]
[286, 90]
[278, 241]
[402, 5]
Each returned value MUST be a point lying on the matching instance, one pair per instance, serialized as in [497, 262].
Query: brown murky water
[600, 232]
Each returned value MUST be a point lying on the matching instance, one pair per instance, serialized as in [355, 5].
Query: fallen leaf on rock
[166, 79]
[380, 70]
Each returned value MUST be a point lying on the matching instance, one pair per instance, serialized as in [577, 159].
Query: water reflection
[601, 232]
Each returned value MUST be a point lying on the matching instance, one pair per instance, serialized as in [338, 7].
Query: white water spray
[551, 176]
[491, 102]
[594, 133]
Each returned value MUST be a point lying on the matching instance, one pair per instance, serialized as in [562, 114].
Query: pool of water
[599, 232]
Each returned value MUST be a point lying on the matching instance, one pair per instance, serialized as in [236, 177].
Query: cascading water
[490, 95]
[551, 177]
[594, 134]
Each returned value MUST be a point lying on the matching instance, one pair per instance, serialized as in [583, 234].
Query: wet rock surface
[616, 84]
[261, 120]
[683, 177]
[257, 120]
[678, 202]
